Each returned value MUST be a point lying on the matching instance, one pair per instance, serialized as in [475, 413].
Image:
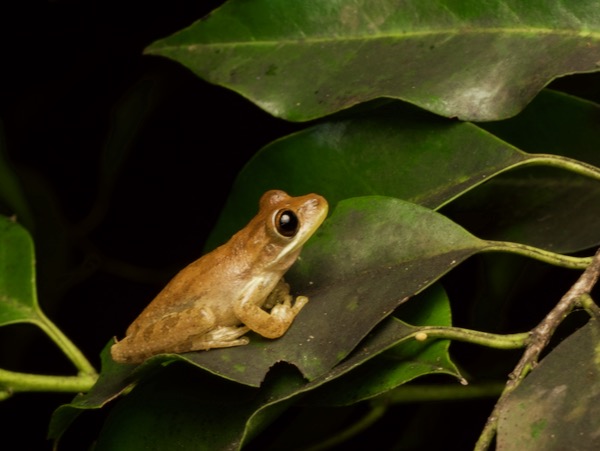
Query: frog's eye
[287, 223]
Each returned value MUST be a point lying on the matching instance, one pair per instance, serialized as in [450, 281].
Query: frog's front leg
[275, 323]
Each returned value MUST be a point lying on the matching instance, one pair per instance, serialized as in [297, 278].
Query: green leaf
[172, 411]
[390, 151]
[370, 256]
[472, 60]
[386, 152]
[554, 122]
[558, 405]
[407, 360]
[198, 410]
[550, 209]
[184, 408]
[553, 209]
[18, 299]
[365, 260]
[114, 380]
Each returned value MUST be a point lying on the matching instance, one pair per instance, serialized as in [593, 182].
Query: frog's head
[287, 223]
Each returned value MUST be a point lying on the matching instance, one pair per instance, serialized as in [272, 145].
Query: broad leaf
[181, 405]
[553, 209]
[185, 402]
[471, 60]
[554, 122]
[370, 256]
[366, 259]
[401, 363]
[558, 405]
[390, 151]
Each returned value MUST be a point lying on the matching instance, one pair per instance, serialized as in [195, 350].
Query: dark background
[65, 66]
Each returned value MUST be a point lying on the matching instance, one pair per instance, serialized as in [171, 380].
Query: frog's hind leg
[170, 333]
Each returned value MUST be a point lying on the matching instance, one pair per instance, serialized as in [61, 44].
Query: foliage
[464, 201]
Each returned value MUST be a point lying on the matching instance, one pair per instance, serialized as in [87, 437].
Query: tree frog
[236, 288]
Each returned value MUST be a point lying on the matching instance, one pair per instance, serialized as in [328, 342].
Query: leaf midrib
[404, 35]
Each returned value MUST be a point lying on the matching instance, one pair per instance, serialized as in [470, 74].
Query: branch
[539, 338]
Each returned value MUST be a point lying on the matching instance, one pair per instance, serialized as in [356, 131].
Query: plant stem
[552, 258]
[510, 341]
[539, 339]
[68, 348]
[569, 164]
[13, 382]
[590, 306]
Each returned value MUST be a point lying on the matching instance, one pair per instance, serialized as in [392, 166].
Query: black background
[64, 66]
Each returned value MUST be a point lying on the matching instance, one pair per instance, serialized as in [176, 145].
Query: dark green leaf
[253, 408]
[114, 380]
[553, 209]
[370, 256]
[182, 408]
[558, 405]
[544, 208]
[405, 361]
[554, 122]
[388, 152]
[472, 60]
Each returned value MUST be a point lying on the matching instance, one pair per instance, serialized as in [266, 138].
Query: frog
[238, 287]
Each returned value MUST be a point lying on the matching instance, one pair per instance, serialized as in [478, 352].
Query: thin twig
[539, 338]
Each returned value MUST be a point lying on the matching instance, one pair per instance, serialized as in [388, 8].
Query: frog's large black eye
[287, 222]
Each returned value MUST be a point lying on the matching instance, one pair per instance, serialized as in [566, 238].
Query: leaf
[457, 59]
[173, 412]
[558, 405]
[553, 209]
[387, 152]
[542, 208]
[554, 122]
[18, 299]
[113, 380]
[365, 260]
[390, 151]
[180, 405]
[405, 361]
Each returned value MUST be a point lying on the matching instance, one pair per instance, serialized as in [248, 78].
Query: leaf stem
[590, 306]
[569, 164]
[67, 347]
[12, 382]
[565, 261]
[497, 341]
